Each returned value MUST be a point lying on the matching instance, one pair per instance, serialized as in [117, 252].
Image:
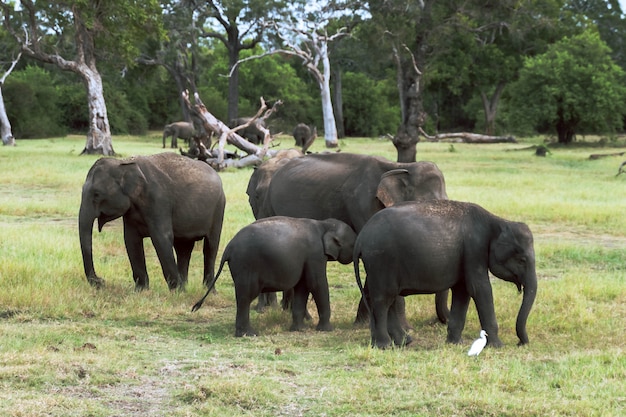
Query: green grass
[69, 350]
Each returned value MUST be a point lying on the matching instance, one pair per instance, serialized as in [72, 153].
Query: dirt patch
[578, 236]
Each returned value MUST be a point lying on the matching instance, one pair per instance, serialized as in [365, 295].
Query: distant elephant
[251, 133]
[284, 253]
[429, 246]
[304, 136]
[172, 199]
[349, 187]
[183, 130]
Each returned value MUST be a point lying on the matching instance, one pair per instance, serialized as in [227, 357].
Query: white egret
[478, 344]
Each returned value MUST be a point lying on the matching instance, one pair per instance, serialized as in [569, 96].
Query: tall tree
[480, 48]
[242, 24]
[85, 30]
[405, 28]
[177, 51]
[575, 87]
[6, 133]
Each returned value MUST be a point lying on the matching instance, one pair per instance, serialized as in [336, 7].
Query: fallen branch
[228, 135]
[467, 137]
[603, 155]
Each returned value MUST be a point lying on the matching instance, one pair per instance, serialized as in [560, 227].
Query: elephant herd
[394, 217]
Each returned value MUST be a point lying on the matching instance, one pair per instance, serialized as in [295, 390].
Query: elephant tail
[357, 274]
[197, 305]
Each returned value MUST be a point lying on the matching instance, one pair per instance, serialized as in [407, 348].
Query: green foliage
[574, 87]
[368, 109]
[33, 104]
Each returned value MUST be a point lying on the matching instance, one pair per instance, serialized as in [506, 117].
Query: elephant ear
[392, 186]
[133, 181]
[331, 245]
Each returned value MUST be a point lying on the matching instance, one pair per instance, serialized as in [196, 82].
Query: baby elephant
[282, 253]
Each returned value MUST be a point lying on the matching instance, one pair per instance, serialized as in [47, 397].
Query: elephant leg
[183, 249]
[362, 315]
[164, 247]
[394, 323]
[322, 301]
[380, 312]
[483, 299]
[300, 297]
[458, 313]
[266, 299]
[400, 311]
[137, 257]
[242, 320]
[287, 301]
[441, 306]
[174, 143]
[209, 251]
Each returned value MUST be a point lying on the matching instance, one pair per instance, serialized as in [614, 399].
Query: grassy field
[69, 350]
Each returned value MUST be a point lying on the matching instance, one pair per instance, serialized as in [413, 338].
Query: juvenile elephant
[349, 187]
[251, 133]
[183, 130]
[304, 136]
[425, 247]
[281, 253]
[171, 199]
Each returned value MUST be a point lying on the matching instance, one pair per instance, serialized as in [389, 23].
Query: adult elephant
[428, 246]
[284, 253]
[349, 187]
[169, 198]
[183, 130]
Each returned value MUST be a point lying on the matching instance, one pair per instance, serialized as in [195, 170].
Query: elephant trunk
[85, 229]
[530, 292]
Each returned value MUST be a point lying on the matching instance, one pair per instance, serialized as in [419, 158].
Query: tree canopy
[438, 65]
[574, 87]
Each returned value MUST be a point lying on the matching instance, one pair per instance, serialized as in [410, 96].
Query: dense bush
[34, 104]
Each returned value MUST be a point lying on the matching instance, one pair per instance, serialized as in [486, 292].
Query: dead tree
[225, 134]
[467, 137]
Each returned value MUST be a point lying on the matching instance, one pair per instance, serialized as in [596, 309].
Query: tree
[480, 49]
[574, 87]
[244, 23]
[177, 52]
[86, 30]
[6, 133]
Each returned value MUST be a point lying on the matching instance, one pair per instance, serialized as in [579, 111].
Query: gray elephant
[349, 187]
[183, 130]
[428, 246]
[251, 133]
[171, 199]
[304, 136]
[284, 253]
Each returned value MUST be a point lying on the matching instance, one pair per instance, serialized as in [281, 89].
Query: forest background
[497, 69]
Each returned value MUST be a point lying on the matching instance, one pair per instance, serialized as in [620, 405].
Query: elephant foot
[404, 341]
[96, 282]
[297, 327]
[141, 287]
[326, 327]
[247, 332]
[494, 342]
[381, 343]
[453, 340]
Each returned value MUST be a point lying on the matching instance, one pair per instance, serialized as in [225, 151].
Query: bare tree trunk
[5, 125]
[99, 135]
[233, 85]
[338, 107]
[490, 107]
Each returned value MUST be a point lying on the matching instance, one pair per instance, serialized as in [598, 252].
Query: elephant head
[108, 192]
[338, 241]
[416, 181]
[512, 258]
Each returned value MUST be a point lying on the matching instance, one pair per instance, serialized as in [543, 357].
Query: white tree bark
[312, 48]
[5, 125]
[99, 135]
[6, 133]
